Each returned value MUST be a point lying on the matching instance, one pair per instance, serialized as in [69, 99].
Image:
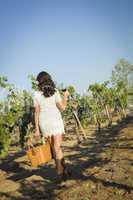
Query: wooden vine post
[78, 123]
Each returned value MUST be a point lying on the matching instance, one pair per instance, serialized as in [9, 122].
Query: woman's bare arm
[36, 116]
[63, 104]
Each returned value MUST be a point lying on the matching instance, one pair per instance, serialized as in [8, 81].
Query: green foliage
[96, 107]
[33, 82]
[7, 123]
[71, 90]
[4, 138]
[17, 110]
[121, 72]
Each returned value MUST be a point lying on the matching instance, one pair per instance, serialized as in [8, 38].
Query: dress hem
[46, 135]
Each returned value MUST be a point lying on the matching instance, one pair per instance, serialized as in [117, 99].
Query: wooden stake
[79, 124]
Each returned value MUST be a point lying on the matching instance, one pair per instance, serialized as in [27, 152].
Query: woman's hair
[46, 84]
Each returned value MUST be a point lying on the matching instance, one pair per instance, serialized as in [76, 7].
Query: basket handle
[41, 140]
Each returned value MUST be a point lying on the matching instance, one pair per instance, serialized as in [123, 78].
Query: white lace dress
[50, 119]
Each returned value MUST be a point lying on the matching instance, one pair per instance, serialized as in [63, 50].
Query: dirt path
[102, 168]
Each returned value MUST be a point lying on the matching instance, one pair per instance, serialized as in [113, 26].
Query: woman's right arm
[63, 104]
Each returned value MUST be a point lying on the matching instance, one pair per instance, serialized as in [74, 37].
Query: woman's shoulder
[57, 96]
[37, 97]
[56, 90]
[37, 94]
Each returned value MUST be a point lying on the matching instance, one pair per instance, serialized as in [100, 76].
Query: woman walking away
[48, 104]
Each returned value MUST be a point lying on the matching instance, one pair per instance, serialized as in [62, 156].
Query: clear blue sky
[76, 41]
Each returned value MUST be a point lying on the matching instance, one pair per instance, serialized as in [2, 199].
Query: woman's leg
[57, 141]
[58, 154]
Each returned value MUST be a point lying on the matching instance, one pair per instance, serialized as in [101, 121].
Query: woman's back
[46, 102]
[50, 119]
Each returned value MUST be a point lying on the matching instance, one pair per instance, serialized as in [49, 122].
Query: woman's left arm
[36, 117]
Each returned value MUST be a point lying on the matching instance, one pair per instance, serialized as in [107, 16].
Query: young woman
[48, 104]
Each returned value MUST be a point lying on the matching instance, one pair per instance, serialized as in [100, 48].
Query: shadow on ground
[41, 183]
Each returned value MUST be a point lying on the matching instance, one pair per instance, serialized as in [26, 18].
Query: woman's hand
[66, 94]
[37, 134]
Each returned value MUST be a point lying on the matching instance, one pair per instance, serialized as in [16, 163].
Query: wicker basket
[40, 154]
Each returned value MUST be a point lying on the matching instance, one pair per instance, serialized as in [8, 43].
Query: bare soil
[102, 169]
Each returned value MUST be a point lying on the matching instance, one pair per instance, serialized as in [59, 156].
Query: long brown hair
[46, 84]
